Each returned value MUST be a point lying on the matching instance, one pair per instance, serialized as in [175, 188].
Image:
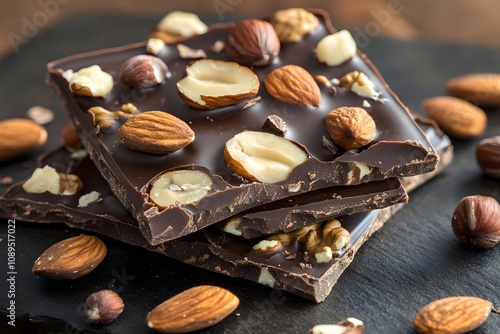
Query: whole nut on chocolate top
[143, 71]
[252, 43]
[293, 24]
[350, 127]
[293, 84]
[488, 156]
[456, 117]
[476, 221]
[103, 306]
[156, 132]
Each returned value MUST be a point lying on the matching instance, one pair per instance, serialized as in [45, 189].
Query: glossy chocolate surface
[399, 149]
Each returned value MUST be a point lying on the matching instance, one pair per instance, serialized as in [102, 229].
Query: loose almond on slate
[194, 309]
[18, 136]
[479, 88]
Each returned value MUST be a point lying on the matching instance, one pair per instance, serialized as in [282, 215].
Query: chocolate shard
[399, 149]
[288, 269]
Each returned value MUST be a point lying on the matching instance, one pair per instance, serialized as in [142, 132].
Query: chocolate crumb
[251, 102]
[330, 145]
[275, 124]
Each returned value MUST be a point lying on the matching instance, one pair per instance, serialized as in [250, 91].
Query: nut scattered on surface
[70, 258]
[182, 24]
[322, 80]
[452, 315]
[262, 156]
[293, 84]
[347, 326]
[155, 132]
[253, 43]
[188, 53]
[103, 306]
[336, 48]
[155, 46]
[359, 84]
[90, 81]
[476, 221]
[350, 127]
[478, 88]
[456, 117]
[180, 187]
[292, 24]
[143, 71]
[194, 309]
[48, 179]
[19, 136]
[488, 156]
[213, 84]
[40, 115]
[89, 198]
[275, 124]
[105, 118]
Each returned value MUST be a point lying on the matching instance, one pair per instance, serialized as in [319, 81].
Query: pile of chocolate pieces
[268, 149]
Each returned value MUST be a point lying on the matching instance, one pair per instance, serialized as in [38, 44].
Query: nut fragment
[143, 71]
[105, 118]
[347, 326]
[182, 24]
[155, 45]
[456, 117]
[180, 187]
[90, 81]
[266, 246]
[350, 127]
[70, 258]
[213, 84]
[478, 88]
[188, 53]
[452, 315]
[19, 136]
[488, 156]
[293, 24]
[103, 306]
[194, 309]
[359, 84]
[48, 179]
[476, 221]
[252, 43]
[262, 156]
[40, 115]
[155, 132]
[89, 198]
[336, 48]
[293, 84]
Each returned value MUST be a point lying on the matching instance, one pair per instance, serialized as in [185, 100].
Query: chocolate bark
[288, 269]
[399, 148]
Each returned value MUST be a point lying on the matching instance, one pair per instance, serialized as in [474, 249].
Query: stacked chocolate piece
[265, 149]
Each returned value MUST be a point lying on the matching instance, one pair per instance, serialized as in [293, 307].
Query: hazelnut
[350, 127]
[143, 71]
[488, 156]
[476, 221]
[103, 306]
[253, 43]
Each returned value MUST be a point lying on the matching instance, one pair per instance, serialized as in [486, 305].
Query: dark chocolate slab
[290, 269]
[399, 149]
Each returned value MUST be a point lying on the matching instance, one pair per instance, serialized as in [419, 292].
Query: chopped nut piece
[218, 46]
[266, 278]
[347, 326]
[262, 156]
[336, 48]
[322, 80]
[48, 179]
[86, 199]
[232, 226]
[6, 180]
[213, 84]
[359, 83]
[180, 187]
[350, 127]
[90, 81]
[40, 115]
[188, 53]
[155, 46]
[266, 246]
[251, 102]
[293, 24]
[105, 118]
[275, 124]
[182, 24]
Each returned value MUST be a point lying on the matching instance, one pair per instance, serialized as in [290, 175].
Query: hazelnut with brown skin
[143, 71]
[488, 156]
[103, 306]
[476, 221]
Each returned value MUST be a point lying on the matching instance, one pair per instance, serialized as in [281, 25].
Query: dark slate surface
[413, 260]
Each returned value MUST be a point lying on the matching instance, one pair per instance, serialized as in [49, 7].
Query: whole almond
[293, 84]
[155, 132]
[18, 136]
[456, 117]
[453, 315]
[194, 309]
[478, 88]
[70, 258]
